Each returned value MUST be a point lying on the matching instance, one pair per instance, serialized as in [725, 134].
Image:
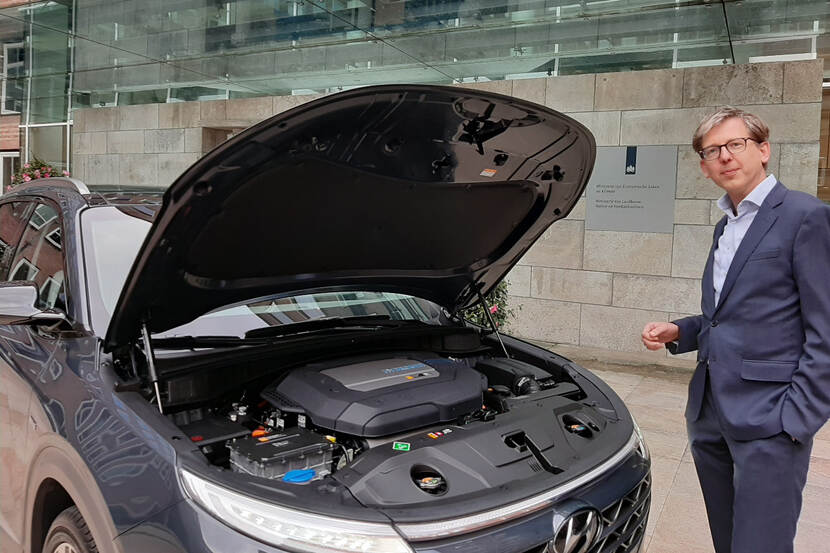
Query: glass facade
[69, 54]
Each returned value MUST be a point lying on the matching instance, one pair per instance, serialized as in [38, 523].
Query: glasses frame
[702, 152]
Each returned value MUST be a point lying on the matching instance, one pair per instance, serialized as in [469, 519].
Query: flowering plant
[497, 304]
[35, 169]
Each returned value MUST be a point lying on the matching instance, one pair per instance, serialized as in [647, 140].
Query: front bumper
[622, 495]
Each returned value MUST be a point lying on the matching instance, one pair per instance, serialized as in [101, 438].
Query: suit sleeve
[689, 329]
[807, 405]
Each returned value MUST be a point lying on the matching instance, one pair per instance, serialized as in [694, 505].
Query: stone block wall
[596, 289]
[574, 287]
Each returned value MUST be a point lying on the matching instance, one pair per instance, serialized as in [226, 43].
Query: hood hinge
[151, 363]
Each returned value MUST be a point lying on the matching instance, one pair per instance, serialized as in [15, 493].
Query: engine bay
[351, 419]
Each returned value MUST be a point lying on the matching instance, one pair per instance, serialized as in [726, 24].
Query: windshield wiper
[189, 342]
[356, 321]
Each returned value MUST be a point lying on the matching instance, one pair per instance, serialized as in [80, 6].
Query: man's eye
[736, 144]
[709, 152]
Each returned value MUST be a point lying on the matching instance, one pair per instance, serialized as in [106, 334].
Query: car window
[39, 257]
[13, 216]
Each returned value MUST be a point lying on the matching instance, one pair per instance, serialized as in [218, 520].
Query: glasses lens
[737, 145]
[711, 153]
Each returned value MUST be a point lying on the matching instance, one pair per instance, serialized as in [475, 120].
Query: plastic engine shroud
[379, 396]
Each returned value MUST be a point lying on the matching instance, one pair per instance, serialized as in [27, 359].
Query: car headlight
[288, 528]
[640, 447]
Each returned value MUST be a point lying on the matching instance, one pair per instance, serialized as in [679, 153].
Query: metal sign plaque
[632, 189]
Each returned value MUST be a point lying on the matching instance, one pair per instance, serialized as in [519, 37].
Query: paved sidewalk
[657, 398]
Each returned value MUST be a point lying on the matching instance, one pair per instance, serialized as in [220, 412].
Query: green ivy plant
[497, 301]
[35, 169]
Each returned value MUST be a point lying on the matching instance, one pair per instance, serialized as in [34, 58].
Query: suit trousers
[752, 489]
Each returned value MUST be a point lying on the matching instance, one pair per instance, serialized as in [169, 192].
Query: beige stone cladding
[578, 287]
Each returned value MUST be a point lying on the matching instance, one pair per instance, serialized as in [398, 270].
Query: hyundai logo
[576, 533]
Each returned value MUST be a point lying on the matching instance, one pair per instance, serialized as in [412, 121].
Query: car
[272, 355]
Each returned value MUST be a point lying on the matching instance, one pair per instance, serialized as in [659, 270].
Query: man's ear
[704, 168]
[765, 149]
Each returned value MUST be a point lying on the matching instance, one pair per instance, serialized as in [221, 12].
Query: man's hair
[758, 130]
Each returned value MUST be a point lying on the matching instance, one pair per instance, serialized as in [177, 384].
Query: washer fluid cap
[299, 476]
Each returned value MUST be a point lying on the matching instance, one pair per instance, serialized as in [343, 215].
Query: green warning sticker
[400, 446]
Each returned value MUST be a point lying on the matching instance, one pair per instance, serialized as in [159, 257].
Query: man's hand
[657, 334]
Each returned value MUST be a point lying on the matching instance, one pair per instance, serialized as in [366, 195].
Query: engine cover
[372, 397]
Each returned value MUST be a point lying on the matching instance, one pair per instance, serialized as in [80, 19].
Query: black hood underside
[431, 191]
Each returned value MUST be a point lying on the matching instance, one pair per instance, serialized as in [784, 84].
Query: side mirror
[18, 305]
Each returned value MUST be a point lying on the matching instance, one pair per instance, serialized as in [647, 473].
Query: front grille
[624, 521]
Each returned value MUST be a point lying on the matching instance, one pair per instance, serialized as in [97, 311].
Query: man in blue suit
[761, 389]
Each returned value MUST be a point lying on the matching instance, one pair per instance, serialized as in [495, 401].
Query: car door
[15, 396]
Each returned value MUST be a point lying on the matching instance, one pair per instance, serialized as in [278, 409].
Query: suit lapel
[759, 227]
[708, 299]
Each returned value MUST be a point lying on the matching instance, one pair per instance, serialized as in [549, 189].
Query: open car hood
[424, 190]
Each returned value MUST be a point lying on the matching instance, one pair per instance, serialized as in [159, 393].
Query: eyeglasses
[735, 146]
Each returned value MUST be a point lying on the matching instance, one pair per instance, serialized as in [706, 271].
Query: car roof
[93, 196]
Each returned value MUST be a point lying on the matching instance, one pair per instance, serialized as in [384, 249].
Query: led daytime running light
[291, 529]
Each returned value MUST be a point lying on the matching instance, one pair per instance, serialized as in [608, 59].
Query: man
[761, 389]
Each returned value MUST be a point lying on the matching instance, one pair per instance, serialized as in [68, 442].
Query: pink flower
[494, 308]
[65, 173]
[26, 166]
[37, 173]
[26, 178]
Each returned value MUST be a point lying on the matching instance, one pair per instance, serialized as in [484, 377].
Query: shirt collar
[755, 198]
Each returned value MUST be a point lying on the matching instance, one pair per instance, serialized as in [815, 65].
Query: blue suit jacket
[767, 342]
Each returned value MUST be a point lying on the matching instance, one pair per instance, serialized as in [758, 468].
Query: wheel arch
[58, 478]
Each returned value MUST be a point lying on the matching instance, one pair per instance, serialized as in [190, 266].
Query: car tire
[69, 534]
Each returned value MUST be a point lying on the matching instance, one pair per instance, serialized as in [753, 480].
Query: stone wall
[593, 289]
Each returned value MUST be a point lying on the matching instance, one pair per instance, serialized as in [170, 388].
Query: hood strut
[495, 328]
[151, 363]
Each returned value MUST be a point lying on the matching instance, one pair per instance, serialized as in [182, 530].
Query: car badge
[401, 446]
[577, 533]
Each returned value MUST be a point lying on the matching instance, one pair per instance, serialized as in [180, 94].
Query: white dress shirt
[736, 227]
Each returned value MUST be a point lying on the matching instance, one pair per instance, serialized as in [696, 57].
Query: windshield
[113, 235]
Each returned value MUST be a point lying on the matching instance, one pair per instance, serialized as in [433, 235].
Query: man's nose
[725, 155]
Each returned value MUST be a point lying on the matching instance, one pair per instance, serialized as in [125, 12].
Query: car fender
[55, 458]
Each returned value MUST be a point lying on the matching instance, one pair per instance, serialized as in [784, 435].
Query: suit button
[714, 323]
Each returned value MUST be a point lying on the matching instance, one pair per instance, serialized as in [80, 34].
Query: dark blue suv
[272, 355]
